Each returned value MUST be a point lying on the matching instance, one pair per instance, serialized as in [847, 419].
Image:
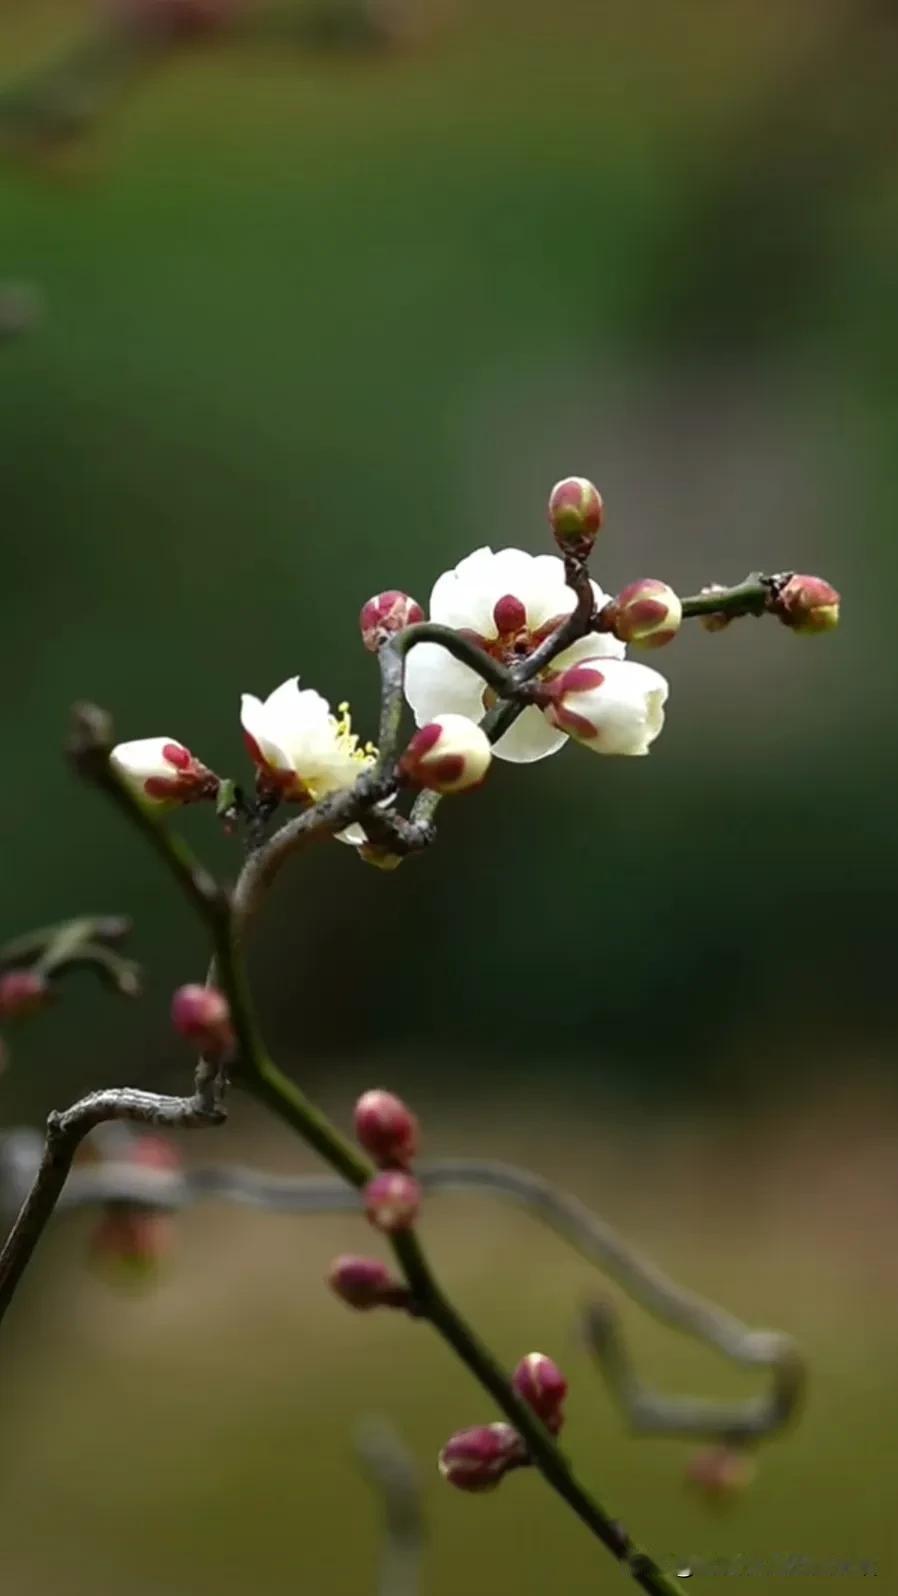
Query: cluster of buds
[388, 1131]
[131, 1240]
[162, 772]
[201, 1015]
[23, 992]
[477, 1459]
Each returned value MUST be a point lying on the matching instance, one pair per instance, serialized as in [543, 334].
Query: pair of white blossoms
[508, 602]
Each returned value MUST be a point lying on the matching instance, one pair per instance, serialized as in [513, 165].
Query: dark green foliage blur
[318, 324]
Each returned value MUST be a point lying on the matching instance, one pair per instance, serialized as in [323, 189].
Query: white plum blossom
[507, 602]
[162, 772]
[612, 706]
[301, 749]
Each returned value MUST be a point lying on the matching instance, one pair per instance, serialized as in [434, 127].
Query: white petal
[530, 738]
[548, 596]
[255, 723]
[438, 684]
[144, 758]
[460, 597]
[627, 709]
[595, 645]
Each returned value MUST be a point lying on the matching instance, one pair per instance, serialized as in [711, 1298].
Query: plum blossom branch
[650, 1413]
[65, 1131]
[562, 1213]
[253, 1067]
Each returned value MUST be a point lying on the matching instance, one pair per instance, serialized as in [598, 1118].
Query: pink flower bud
[180, 19]
[647, 613]
[448, 755]
[386, 1128]
[392, 1201]
[476, 1460]
[385, 615]
[720, 1473]
[543, 1387]
[808, 605]
[22, 992]
[201, 1015]
[575, 515]
[132, 1243]
[365, 1283]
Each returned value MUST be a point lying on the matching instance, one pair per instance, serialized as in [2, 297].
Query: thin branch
[65, 1132]
[390, 1468]
[756, 595]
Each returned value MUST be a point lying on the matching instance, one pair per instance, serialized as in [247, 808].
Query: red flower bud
[201, 1014]
[543, 1387]
[477, 1459]
[720, 1472]
[386, 1129]
[575, 515]
[808, 605]
[449, 754]
[365, 1283]
[647, 613]
[22, 992]
[132, 1242]
[392, 1201]
[385, 615]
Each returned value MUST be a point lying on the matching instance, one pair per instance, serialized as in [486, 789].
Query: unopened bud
[808, 605]
[575, 515]
[447, 755]
[720, 1473]
[131, 1243]
[386, 1128]
[22, 992]
[162, 772]
[392, 1201]
[543, 1387]
[385, 615]
[716, 620]
[201, 1014]
[477, 1459]
[647, 614]
[365, 1283]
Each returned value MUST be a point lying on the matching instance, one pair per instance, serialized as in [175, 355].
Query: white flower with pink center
[508, 602]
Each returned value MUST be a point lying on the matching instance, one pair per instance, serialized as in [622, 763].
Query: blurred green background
[318, 322]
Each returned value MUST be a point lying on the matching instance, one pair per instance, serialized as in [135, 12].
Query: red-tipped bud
[477, 1459]
[647, 613]
[449, 754]
[720, 1473]
[365, 1283]
[543, 1387]
[808, 605]
[392, 1201]
[177, 19]
[201, 1015]
[385, 615]
[22, 992]
[132, 1243]
[575, 515]
[386, 1128]
[162, 773]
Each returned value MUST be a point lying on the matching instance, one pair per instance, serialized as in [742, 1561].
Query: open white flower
[302, 750]
[612, 706]
[508, 602]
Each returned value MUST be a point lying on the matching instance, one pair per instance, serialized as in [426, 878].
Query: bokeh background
[316, 310]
